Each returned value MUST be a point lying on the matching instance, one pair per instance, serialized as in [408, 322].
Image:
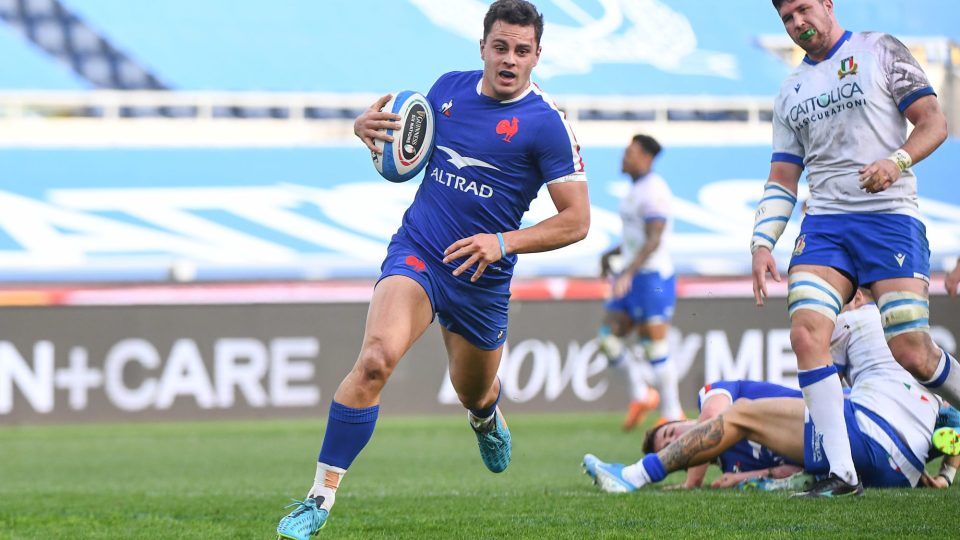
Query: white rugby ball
[412, 144]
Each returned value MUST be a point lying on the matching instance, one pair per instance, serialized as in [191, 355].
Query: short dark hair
[647, 447]
[519, 12]
[648, 144]
[778, 3]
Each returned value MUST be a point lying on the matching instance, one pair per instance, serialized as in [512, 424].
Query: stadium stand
[106, 98]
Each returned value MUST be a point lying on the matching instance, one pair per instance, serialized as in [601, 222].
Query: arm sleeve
[906, 80]
[786, 144]
[726, 388]
[558, 154]
[433, 95]
[658, 205]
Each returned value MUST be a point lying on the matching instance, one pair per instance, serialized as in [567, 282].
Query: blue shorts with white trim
[651, 299]
[866, 247]
[870, 459]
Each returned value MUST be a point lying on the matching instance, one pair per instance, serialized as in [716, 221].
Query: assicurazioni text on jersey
[838, 115]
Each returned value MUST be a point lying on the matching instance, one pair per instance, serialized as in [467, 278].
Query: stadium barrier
[94, 363]
[281, 119]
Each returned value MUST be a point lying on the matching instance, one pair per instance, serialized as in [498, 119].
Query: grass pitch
[418, 478]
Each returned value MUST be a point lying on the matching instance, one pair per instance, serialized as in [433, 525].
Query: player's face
[636, 162]
[810, 24]
[509, 54]
[671, 432]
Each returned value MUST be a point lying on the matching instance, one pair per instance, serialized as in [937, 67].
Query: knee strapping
[902, 312]
[809, 291]
[609, 344]
[657, 350]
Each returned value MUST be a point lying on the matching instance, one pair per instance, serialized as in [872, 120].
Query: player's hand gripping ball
[412, 144]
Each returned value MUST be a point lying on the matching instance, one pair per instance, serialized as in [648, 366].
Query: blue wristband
[503, 248]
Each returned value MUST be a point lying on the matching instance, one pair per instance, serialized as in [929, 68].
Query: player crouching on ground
[889, 449]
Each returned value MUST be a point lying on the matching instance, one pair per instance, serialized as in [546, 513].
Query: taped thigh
[812, 292]
[656, 350]
[902, 312]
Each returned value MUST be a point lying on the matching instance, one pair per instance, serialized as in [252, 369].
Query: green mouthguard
[808, 34]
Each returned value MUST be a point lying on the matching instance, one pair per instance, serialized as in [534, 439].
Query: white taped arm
[772, 215]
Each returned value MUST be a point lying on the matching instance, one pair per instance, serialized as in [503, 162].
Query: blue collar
[843, 39]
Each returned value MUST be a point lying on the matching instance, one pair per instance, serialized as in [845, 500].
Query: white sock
[634, 376]
[636, 474]
[669, 393]
[325, 484]
[824, 399]
[949, 388]
[479, 423]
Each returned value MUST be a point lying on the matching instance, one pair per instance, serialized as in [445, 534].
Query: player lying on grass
[753, 465]
[744, 460]
[890, 450]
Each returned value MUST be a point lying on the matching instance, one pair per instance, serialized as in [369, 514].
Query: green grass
[418, 478]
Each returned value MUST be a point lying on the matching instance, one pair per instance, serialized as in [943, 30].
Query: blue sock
[488, 411]
[348, 431]
[654, 467]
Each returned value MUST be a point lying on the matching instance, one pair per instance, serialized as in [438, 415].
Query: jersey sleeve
[433, 96]
[724, 388]
[786, 144]
[657, 207]
[906, 80]
[558, 154]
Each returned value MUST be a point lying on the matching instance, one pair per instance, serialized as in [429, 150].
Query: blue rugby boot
[305, 521]
[795, 482]
[607, 476]
[493, 438]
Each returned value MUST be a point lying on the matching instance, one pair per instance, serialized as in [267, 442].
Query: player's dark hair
[648, 144]
[518, 12]
[647, 447]
[778, 3]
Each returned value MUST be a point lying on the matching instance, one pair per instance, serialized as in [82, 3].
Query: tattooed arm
[776, 423]
[699, 445]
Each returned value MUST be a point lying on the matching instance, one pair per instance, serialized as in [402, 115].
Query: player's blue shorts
[476, 313]
[870, 459]
[866, 247]
[651, 298]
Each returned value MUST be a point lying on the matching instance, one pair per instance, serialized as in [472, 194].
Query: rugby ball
[412, 144]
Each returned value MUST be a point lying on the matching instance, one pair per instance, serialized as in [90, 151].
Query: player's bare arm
[654, 233]
[711, 408]
[569, 225]
[367, 126]
[929, 132]
[786, 175]
[695, 446]
[732, 479]
[605, 268]
[952, 279]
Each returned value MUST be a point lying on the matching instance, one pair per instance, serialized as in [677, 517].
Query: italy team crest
[801, 243]
[847, 67]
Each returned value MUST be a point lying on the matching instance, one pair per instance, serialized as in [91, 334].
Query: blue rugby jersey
[747, 455]
[490, 160]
